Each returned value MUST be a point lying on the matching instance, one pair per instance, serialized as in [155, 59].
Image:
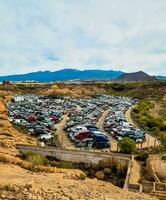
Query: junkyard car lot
[81, 126]
[116, 123]
[38, 115]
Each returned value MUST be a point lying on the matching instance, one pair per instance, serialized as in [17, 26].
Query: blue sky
[127, 35]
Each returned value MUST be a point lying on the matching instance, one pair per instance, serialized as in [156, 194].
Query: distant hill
[136, 76]
[161, 77]
[63, 75]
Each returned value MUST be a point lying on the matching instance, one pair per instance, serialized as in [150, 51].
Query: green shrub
[127, 145]
[141, 114]
[65, 165]
[35, 159]
[163, 139]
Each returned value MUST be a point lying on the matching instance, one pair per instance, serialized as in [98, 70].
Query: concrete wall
[149, 187]
[133, 176]
[81, 156]
[76, 156]
[156, 165]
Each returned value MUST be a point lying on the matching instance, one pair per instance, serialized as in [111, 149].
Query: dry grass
[29, 165]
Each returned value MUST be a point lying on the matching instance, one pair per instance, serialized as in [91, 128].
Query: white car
[45, 136]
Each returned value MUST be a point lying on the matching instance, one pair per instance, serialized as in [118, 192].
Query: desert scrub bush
[127, 145]
[35, 159]
[79, 176]
[142, 156]
[65, 165]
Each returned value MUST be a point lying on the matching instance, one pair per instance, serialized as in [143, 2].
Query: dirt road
[100, 123]
[149, 139]
[62, 136]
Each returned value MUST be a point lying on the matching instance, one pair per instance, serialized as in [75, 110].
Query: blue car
[100, 141]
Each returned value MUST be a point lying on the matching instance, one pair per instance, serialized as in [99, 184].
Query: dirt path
[78, 107]
[62, 136]
[156, 110]
[149, 139]
[100, 123]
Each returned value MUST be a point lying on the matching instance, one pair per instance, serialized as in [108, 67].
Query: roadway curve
[149, 139]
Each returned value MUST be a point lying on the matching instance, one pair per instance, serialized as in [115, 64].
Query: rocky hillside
[9, 136]
[17, 183]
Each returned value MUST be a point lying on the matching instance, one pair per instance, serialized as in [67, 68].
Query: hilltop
[136, 76]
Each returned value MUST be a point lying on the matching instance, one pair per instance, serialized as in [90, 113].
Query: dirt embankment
[81, 90]
[140, 90]
[18, 183]
[9, 136]
[76, 90]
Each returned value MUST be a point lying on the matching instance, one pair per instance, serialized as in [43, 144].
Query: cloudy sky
[128, 35]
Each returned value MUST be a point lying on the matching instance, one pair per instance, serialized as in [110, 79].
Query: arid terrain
[18, 183]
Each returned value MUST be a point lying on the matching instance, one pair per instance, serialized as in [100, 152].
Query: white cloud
[109, 34]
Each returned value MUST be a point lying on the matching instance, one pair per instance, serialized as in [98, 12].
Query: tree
[127, 145]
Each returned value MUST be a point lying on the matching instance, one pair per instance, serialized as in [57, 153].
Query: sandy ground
[62, 136]
[62, 185]
[156, 110]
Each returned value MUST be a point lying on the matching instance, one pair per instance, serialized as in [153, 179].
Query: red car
[114, 132]
[55, 119]
[83, 134]
[32, 118]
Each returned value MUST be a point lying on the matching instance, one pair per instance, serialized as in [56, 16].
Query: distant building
[18, 98]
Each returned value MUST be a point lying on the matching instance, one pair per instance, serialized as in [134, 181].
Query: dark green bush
[65, 165]
[142, 156]
[127, 145]
[141, 114]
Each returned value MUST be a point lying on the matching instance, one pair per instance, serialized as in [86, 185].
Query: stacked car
[81, 126]
[88, 136]
[116, 124]
[37, 115]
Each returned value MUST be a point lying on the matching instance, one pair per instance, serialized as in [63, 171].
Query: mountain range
[71, 74]
[63, 75]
